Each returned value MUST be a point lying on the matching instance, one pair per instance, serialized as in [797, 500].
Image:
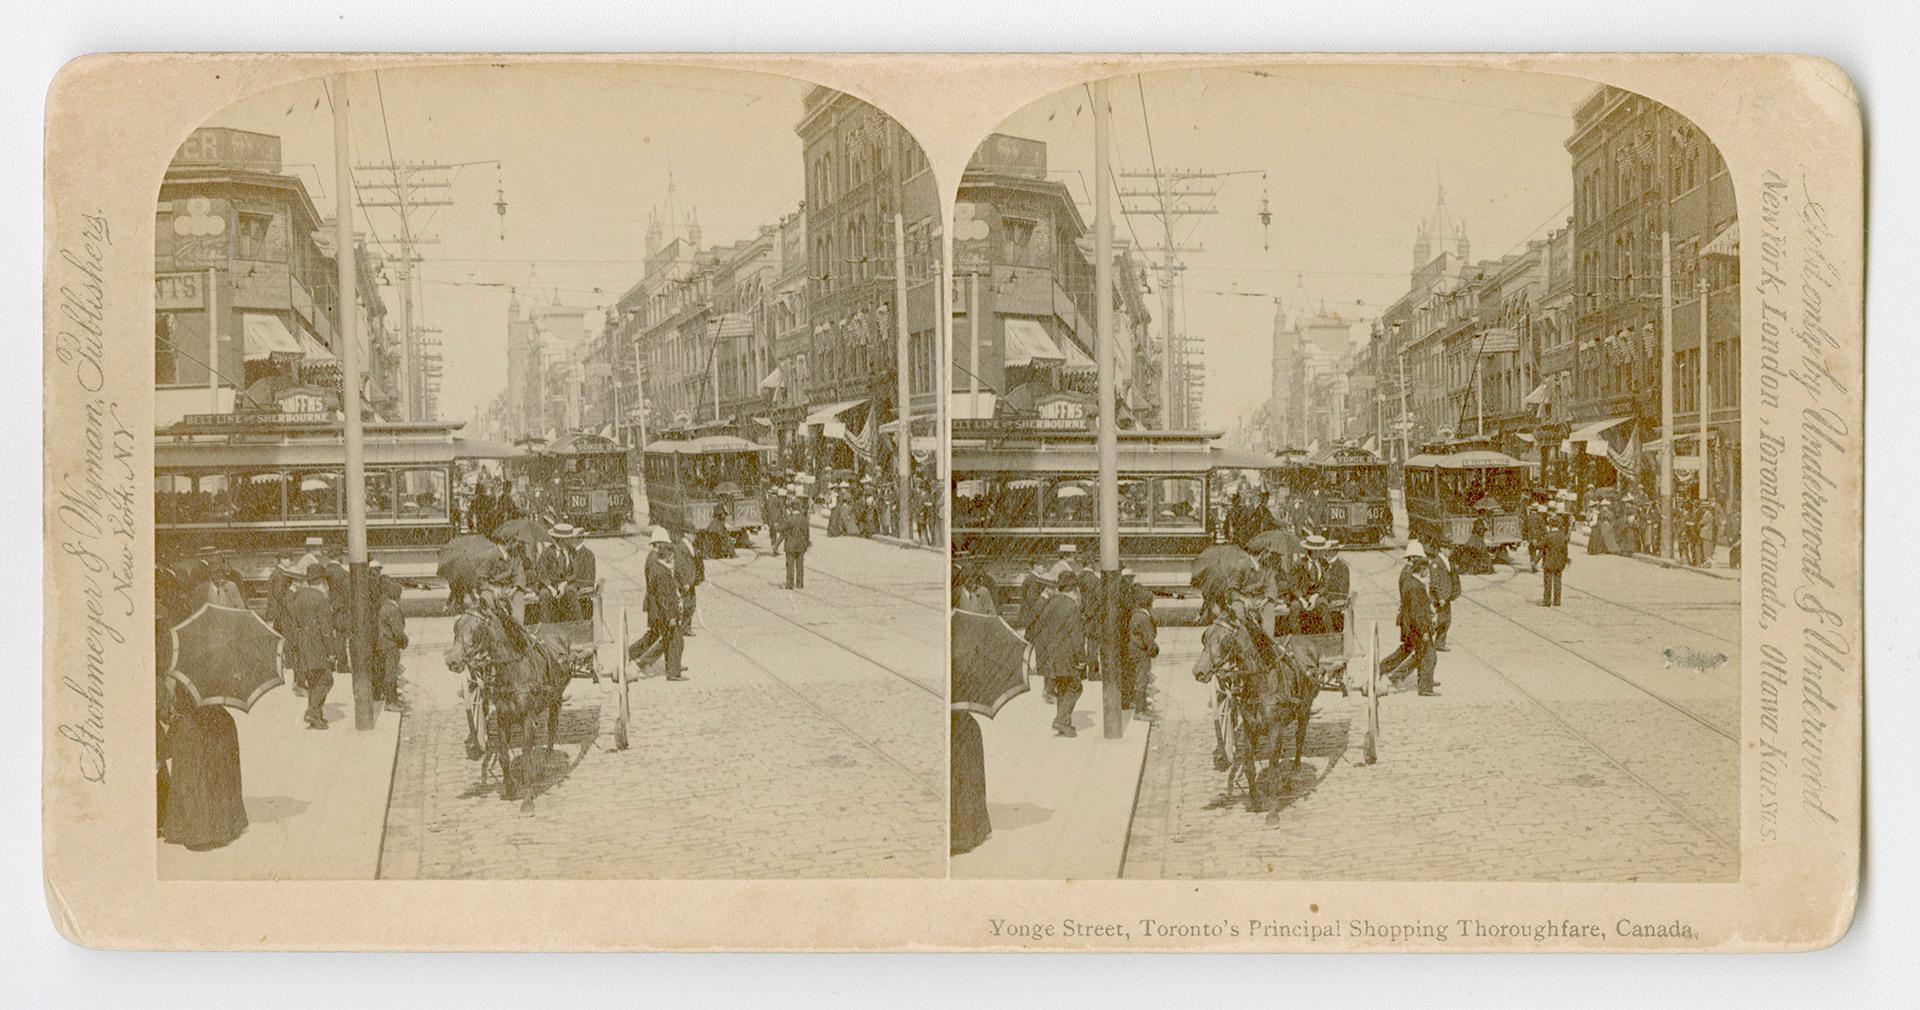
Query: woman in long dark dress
[204, 808]
[969, 825]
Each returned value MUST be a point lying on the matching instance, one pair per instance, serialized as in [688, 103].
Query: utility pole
[1706, 406]
[973, 344]
[1167, 202]
[400, 192]
[1108, 438]
[1406, 419]
[346, 323]
[903, 394]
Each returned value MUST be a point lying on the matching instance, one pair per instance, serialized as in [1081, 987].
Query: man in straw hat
[1416, 622]
[665, 603]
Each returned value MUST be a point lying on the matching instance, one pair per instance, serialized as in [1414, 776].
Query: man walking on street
[1059, 647]
[1446, 589]
[798, 537]
[312, 643]
[664, 602]
[1553, 562]
[1416, 623]
[690, 571]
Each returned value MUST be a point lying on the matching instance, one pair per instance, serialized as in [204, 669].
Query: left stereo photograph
[545, 482]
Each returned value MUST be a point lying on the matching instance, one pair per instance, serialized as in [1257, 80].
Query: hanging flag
[863, 440]
[1627, 460]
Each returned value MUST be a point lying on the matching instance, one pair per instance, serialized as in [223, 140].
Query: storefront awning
[1537, 397]
[266, 335]
[1076, 358]
[1596, 435]
[773, 380]
[1028, 343]
[317, 353]
[832, 412]
[1727, 243]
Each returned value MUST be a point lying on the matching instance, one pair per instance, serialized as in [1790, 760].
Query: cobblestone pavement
[1561, 747]
[810, 740]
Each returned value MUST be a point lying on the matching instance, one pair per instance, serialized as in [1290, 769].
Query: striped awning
[1727, 243]
[1027, 342]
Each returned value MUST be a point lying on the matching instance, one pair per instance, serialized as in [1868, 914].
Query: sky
[1350, 160]
[585, 153]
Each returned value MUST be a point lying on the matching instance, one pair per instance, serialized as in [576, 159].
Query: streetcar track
[800, 695]
[1677, 806]
[1590, 594]
[1506, 585]
[736, 594]
[1622, 678]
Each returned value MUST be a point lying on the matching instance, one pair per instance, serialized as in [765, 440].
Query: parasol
[465, 557]
[727, 487]
[523, 530]
[987, 666]
[225, 656]
[1219, 566]
[1487, 504]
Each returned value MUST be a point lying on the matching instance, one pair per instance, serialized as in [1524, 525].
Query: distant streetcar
[688, 477]
[1353, 490]
[1448, 491]
[579, 479]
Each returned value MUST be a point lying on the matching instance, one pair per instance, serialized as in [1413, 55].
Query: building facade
[246, 309]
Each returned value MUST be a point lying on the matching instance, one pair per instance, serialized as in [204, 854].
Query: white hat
[659, 536]
[375, 564]
[1416, 549]
[562, 531]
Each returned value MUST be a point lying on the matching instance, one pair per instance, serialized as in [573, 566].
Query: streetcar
[1022, 487]
[258, 486]
[688, 476]
[1447, 491]
[1353, 490]
[1289, 475]
[580, 479]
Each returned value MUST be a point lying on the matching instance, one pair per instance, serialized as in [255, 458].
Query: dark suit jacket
[1446, 582]
[1338, 580]
[687, 566]
[1416, 606]
[1058, 637]
[310, 631]
[585, 571]
[390, 632]
[663, 589]
[1553, 553]
[798, 534]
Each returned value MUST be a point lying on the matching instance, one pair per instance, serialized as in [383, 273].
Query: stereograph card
[1340, 503]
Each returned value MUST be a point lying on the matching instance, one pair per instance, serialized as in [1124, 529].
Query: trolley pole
[903, 395]
[1112, 719]
[1706, 405]
[359, 659]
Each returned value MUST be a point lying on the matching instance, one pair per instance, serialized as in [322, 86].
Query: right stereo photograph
[1346, 483]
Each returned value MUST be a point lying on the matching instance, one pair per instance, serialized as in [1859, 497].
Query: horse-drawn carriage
[1288, 656]
[544, 657]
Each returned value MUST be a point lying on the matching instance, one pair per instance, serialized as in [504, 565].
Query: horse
[1270, 700]
[515, 694]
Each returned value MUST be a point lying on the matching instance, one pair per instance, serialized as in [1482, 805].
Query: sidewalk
[1720, 569]
[316, 801]
[819, 522]
[1061, 808]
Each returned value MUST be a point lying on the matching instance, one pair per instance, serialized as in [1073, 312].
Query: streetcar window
[1179, 502]
[1070, 502]
[970, 502]
[314, 493]
[172, 498]
[1136, 501]
[423, 493]
[1012, 502]
[379, 493]
[259, 495]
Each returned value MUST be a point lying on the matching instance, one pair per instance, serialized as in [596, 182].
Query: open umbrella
[465, 557]
[225, 656]
[1219, 566]
[1487, 504]
[1282, 542]
[525, 530]
[986, 670]
[727, 487]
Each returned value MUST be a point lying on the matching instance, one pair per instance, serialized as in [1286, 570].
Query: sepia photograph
[545, 481]
[1396, 535]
